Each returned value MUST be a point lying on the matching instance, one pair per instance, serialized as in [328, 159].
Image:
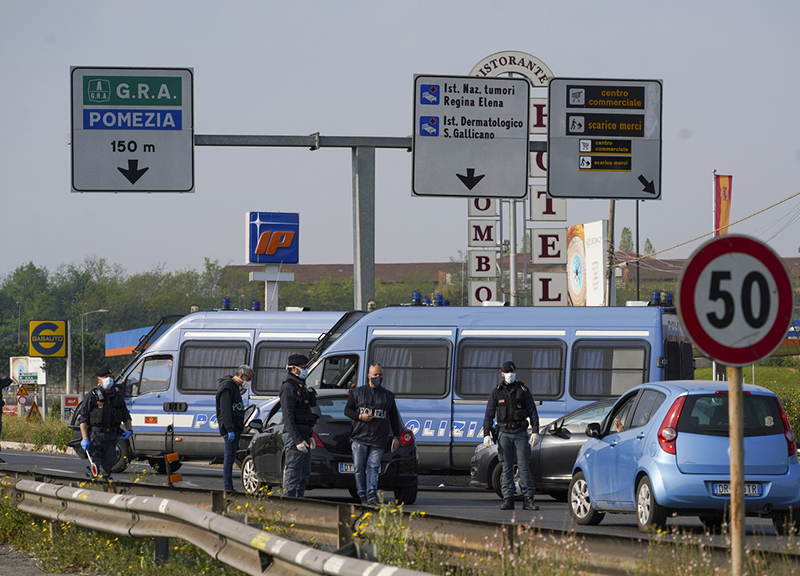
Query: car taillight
[406, 437]
[317, 440]
[667, 433]
[788, 432]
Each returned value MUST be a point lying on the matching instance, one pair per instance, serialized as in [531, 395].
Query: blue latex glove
[230, 437]
[125, 435]
[85, 443]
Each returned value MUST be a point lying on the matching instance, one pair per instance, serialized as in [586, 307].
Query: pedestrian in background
[297, 402]
[5, 382]
[99, 417]
[512, 403]
[375, 420]
[230, 417]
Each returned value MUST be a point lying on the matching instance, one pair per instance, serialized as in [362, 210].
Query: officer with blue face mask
[512, 403]
[100, 416]
[297, 402]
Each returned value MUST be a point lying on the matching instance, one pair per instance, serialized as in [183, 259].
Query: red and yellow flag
[722, 203]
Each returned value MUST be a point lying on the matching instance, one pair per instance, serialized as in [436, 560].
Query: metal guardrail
[243, 547]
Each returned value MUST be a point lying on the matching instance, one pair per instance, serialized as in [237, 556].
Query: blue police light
[438, 300]
[446, 303]
[655, 298]
[669, 299]
[226, 303]
[416, 299]
[427, 302]
[256, 305]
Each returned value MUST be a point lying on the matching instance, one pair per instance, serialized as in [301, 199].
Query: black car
[332, 459]
[552, 457]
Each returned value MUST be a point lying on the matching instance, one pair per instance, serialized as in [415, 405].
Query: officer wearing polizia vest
[513, 404]
[297, 402]
[99, 417]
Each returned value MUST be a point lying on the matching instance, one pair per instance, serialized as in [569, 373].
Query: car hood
[705, 454]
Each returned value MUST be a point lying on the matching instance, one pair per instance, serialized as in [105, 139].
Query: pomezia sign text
[132, 130]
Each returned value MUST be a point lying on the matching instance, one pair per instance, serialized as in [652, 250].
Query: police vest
[106, 412]
[510, 405]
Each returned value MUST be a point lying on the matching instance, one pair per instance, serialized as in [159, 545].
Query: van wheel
[159, 465]
[497, 482]
[123, 452]
[406, 494]
[649, 513]
[251, 483]
[580, 507]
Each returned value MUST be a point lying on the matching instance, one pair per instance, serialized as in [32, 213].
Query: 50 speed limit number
[735, 300]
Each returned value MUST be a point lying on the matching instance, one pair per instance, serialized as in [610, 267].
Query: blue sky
[346, 69]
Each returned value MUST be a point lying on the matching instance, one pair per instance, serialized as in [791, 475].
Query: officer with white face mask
[297, 402]
[100, 416]
[511, 402]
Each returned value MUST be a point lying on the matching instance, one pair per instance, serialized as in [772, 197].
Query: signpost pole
[736, 431]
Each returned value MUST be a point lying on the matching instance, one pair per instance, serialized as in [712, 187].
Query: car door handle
[640, 436]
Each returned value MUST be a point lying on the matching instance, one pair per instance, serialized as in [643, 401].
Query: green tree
[626, 240]
[648, 247]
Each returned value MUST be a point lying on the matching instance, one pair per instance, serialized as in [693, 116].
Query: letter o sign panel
[480, 292]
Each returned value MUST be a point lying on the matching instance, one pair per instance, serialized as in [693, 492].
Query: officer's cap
[297, 360]
[103, 372]
[509, 366]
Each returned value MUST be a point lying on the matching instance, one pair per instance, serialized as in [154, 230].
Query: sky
[730, 87]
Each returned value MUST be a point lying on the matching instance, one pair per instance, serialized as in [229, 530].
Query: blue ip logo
[429, 94]
[429, 126]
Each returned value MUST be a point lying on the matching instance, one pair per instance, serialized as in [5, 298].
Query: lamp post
[83, 375]
[19, 321]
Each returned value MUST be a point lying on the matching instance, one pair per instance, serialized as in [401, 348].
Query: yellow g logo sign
[48, 338]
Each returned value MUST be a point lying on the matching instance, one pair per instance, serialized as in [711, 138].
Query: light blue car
[664, 449]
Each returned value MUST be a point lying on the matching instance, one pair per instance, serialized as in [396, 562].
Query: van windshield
[708, 414]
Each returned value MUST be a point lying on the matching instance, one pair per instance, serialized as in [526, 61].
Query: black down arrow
[133, 173]
[649, 185]
[470, 180]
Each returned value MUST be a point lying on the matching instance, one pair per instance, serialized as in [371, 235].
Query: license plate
[724, 489]
[347, 468]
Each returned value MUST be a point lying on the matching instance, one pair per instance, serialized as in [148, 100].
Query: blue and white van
[170, 385]
[442, 363]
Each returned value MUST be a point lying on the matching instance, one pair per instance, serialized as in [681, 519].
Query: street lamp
[83, 375]
[19, 321]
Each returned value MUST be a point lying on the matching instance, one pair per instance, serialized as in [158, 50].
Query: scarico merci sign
[272, 238]
[48, 338]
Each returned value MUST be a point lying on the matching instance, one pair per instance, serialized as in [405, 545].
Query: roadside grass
[50, 432]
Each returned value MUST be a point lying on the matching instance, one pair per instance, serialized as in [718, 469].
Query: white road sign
[471, 136]
[132, 129]
[735, 300]
[604, 138]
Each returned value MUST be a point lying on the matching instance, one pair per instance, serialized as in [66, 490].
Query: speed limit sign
[735, 300]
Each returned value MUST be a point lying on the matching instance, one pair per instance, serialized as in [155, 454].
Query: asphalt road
[441, 495]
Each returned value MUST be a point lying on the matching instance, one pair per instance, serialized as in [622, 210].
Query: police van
[170, 384]
[442, 363]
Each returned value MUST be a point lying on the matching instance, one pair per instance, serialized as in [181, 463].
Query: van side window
[415, 368]
[269, 371]
[608, 368]
[334, 372]
[540, 365]
[204, 363]
[152, 375]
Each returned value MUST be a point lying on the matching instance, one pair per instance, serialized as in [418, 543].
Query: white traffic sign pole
[735, 302]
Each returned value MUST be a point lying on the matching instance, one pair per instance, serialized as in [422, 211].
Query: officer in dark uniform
[513, 404]
[298, 425]
[5, 382]
[230, 417]
[100, 416]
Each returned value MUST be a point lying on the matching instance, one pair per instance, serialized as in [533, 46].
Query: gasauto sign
[48, 338]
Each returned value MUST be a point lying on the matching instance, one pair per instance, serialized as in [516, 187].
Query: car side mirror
[256, 424]
[553, 428]
[593, 430]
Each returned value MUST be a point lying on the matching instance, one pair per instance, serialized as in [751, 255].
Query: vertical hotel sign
[132, 130]
[722, 203]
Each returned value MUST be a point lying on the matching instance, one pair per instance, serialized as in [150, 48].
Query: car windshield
[708, 414]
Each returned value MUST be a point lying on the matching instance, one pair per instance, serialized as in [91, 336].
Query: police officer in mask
[512, 403]
[230, 417]
[298, 425]
[99, 417]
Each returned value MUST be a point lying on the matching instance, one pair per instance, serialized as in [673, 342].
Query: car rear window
[330, 409]
[708, 414]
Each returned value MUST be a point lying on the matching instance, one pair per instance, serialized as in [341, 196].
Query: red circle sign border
[687, 312]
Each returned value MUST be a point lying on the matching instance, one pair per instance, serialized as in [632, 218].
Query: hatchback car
[664, 449]
[332, 459]
[552, 457]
